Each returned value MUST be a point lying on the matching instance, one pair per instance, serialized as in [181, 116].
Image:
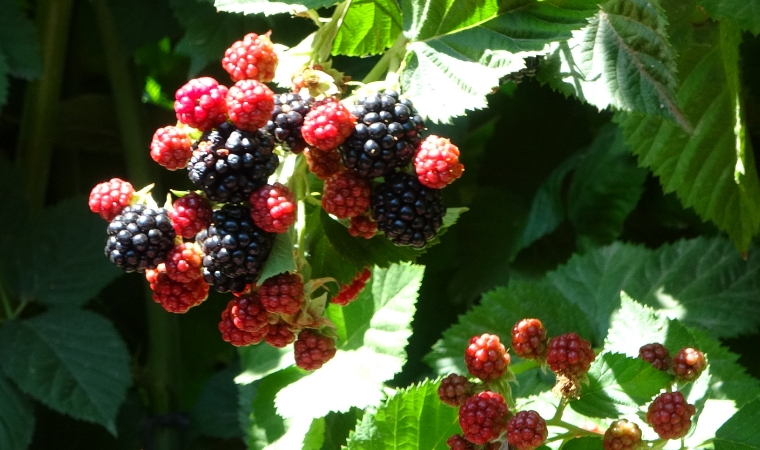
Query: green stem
[390, 62]
[6, 302]
[163, 358]
[39, 117]
[323, 41]
[560, 409]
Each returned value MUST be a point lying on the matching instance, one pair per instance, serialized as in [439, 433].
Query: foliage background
[115, 65]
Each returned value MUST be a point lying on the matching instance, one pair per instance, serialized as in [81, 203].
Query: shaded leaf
[736, 434]
[258, 361]
[618, 385]
[281, 259]
[52, 358]
[216, 411]
[16, 417]
[703, 282]
[605, 188]
[746, 13]
[412, 419]
[369, 27]
[4, 74]
[18, 42]
[712, 169]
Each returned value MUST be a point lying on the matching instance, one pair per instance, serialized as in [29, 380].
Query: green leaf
[712, 169]
[738, 433]
[18, 42]
[464, 48]
[16, 418]
[369, 27]
[209, 33]
[215, 413]
[258, 361]
[703, 282]
[52, 270]
[621, 59]
[412, 419]
[728, 380]
[497, 313]
[745, 13]
[378, 326]
[265, 7]
[71, 360]
[583, 443]
[547, 210]
[618, 385]
[282, 258]
[605, 188]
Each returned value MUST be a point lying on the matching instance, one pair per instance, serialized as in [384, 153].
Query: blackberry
[229, 164]
[235, 249]
[139, 238]
[386, 135]
[406, 211]
[287, 119]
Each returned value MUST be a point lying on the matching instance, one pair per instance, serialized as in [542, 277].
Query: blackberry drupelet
[287, 119]
[235, 249]
[229, 164]
[406, 211]
[139, 238]
[386, 135]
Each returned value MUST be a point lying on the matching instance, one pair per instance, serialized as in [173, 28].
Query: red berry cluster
[687, 365]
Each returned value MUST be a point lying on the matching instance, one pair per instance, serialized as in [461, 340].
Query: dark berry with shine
[386, 135]
[234, 247]
[287, 119]
[229, 164]
[139, 238]
[406, 211]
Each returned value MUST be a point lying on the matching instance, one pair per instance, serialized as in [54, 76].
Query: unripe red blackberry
[670, 415]
[526, 430]
[454, 390]
[109, 199]
[350, 292]
[655, 354]
[688, 364]
[174, 296]
[273, 208]
[458, 442]
[483, 417]
[190, 214]
[312, 350]
[279, 335]
[622, 435]
[171, 147]
[486, 357]
[569, 355]
[248, 314]
[249, 104]
[323, 163]
[233, 334]
[283, 293]
[346, 195]
[252, 58]
[184, 262]
[327, 125]
[529, 339]
[201, 104]
[363, 226]
[437, 162]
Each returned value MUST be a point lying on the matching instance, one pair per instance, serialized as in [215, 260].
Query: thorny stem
[560, 409]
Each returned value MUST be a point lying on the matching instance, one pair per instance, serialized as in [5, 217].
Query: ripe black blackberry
[287, 119]
[406, 211]
[139, 238]
[235, 248]
[229, 164]
[386, 135]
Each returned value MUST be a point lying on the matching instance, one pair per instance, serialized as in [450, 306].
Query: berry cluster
[484, 405]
